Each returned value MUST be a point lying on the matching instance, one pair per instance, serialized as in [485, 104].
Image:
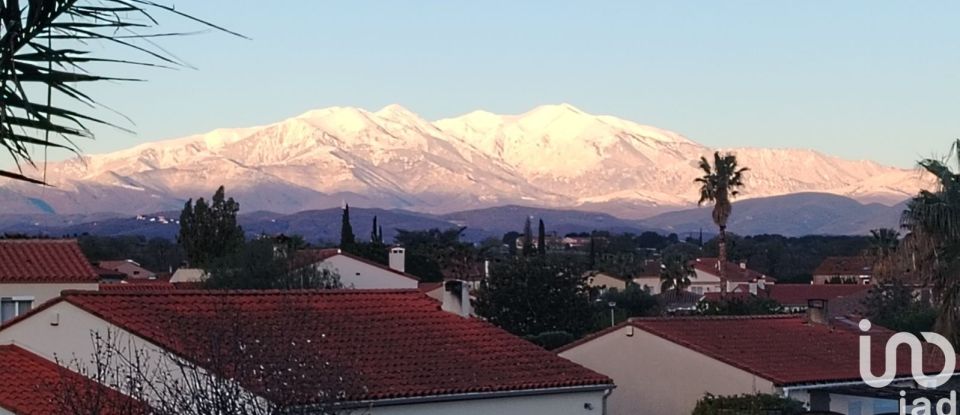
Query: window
[696, 290]
[11, 307]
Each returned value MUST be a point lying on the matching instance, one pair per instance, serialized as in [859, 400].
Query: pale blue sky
[858, 79]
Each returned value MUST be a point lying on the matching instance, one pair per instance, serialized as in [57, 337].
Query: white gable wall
[70, 341]
[552, 404]
[658, 377]
[361, 275]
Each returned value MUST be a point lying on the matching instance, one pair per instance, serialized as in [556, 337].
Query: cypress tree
[347, 240]
[527, 239]
[374, 236]
[542, 240]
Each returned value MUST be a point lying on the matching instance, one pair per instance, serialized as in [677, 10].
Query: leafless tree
[225, 361]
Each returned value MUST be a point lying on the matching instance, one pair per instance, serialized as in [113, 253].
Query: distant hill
[789, 215]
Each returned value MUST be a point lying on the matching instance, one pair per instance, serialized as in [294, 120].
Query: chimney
[817, 311]
[456, 298]
[398, 258]
[743, 265]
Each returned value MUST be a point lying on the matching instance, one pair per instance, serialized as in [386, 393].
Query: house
[683, 302]
[738, 277]
[357, 272]
[648, 275]
[793, 298]
[32, 385]
[605, 280]
[188, 275]
[679, 359]
[843, 270]
[33, 271]
[382, 351]
[128, 267]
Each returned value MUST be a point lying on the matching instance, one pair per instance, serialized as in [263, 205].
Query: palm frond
[46, 46]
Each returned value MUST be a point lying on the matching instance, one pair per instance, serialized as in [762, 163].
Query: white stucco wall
[553, 404]
[360, 275]
[658, 377]
[70, 342]
[41, 293]
[603, 280]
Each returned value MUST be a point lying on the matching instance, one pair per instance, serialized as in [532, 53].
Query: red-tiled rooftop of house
[383, 343]
[32, 385]
[734, 272]
[44, 261]
[799, 294]
[844, 265]
[786, 349]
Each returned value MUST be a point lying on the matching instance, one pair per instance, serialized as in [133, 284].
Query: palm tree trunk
[722, 259]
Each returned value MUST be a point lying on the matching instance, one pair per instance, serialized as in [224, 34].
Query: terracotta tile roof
[844, 265]
[44, 261]
[785, 349]
[384, 343]
[30, 384]
[799, 294]
[734, 273]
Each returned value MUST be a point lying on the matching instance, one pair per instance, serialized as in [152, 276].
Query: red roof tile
[799, 294]
[384, 343]
[785, 349]
[30, 384]
[844, 265]
[734, 272]
[44, 261]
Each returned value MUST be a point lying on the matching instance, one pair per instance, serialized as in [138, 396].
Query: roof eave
[465, 396]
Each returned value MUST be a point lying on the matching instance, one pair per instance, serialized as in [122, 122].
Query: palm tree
[932, 219]
[675, 273]
[883, 246]
[719, 184]
[46, 48]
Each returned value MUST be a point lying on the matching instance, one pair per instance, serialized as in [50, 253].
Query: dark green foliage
[347, 239]
[541, 239]
[510, 239]
[49, 49]
[676, 273]
[376, 233]
[433, 254]
[633, 301]
[209, 232]
[789, 259]
[263, 264]
[759, 404]
[551, 339]
[739, 306]
[155, 254]
[533, 295]
[898, 308]
[527, 239]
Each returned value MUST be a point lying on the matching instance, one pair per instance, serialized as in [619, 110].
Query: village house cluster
[387, 344]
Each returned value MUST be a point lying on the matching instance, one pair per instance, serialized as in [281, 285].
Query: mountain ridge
[553, 156]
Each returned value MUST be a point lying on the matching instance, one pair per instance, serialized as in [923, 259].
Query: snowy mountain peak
[551, 156]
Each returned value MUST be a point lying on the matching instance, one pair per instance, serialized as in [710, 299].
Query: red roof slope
[734, 272]
[799, 294]
[784, 349]
[384, 343]
[30, 384]
[44, 261]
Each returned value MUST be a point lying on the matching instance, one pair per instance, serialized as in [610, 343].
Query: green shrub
[759, 404]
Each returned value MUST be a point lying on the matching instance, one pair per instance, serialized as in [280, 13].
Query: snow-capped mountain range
[551, 156]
